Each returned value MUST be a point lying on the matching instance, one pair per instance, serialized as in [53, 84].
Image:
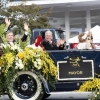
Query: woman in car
[36, 44]
[86, 41]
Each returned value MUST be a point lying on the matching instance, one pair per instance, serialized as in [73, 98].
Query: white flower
[39, 67]
[16, 58]
[3, 45]
[13, 47]
[38, 61]
[8, 45]
[34, 47]
[19, 49]
[36, 55]
[19, 64]
[31, 46]
[11, 43]
[16, 67]
[35, 64]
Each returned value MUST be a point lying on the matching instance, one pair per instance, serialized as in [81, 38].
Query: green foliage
[17, 58]
[2, 32]
[26, 13]
[20, 43]
[2, 27]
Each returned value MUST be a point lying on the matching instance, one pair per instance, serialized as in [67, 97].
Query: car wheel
[25, 85]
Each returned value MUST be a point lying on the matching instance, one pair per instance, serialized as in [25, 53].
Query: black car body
[75, 67]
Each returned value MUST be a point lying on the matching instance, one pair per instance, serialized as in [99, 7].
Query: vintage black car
[75, 67]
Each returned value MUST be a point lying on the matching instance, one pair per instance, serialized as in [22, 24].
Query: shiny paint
[71, 85]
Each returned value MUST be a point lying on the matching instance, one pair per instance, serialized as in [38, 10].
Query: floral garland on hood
[16, 58]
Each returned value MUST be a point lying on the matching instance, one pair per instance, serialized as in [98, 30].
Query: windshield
[57, 35]
[60, 34]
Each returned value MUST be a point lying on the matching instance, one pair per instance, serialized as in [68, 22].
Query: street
[7, 98]
[61, 96]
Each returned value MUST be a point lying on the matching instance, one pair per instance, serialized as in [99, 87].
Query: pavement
[62, 96]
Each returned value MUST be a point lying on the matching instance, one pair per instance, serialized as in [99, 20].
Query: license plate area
[75, 68]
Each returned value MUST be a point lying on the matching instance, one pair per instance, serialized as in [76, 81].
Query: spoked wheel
[25, 85]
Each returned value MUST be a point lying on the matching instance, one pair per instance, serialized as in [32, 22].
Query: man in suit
[10, 35]
[49, 44]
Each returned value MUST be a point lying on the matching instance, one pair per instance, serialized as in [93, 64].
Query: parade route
[61, 96]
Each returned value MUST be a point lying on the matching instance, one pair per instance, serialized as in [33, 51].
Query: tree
[26, 13]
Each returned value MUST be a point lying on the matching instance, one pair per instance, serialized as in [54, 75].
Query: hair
[90, 37]
[9, 32]
[48, 32]
[80, 37]
[39, 40]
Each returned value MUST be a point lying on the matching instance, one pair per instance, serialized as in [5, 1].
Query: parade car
[75, 67]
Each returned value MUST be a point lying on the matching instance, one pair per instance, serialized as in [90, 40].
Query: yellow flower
[9, 57]
[21, 55]
[35, 59]
[1, 62]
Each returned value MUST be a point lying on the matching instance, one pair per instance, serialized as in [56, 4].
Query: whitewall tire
[26, 85]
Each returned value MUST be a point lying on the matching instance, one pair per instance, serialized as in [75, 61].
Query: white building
[71, 15]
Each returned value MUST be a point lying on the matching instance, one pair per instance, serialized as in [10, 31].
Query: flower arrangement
[91, 85]
[15, 58]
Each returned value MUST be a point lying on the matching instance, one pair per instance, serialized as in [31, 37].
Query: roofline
[42, 2]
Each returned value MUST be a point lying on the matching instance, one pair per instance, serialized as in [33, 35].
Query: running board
[70, 95]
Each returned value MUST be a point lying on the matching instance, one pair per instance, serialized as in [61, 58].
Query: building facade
[73, 16]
